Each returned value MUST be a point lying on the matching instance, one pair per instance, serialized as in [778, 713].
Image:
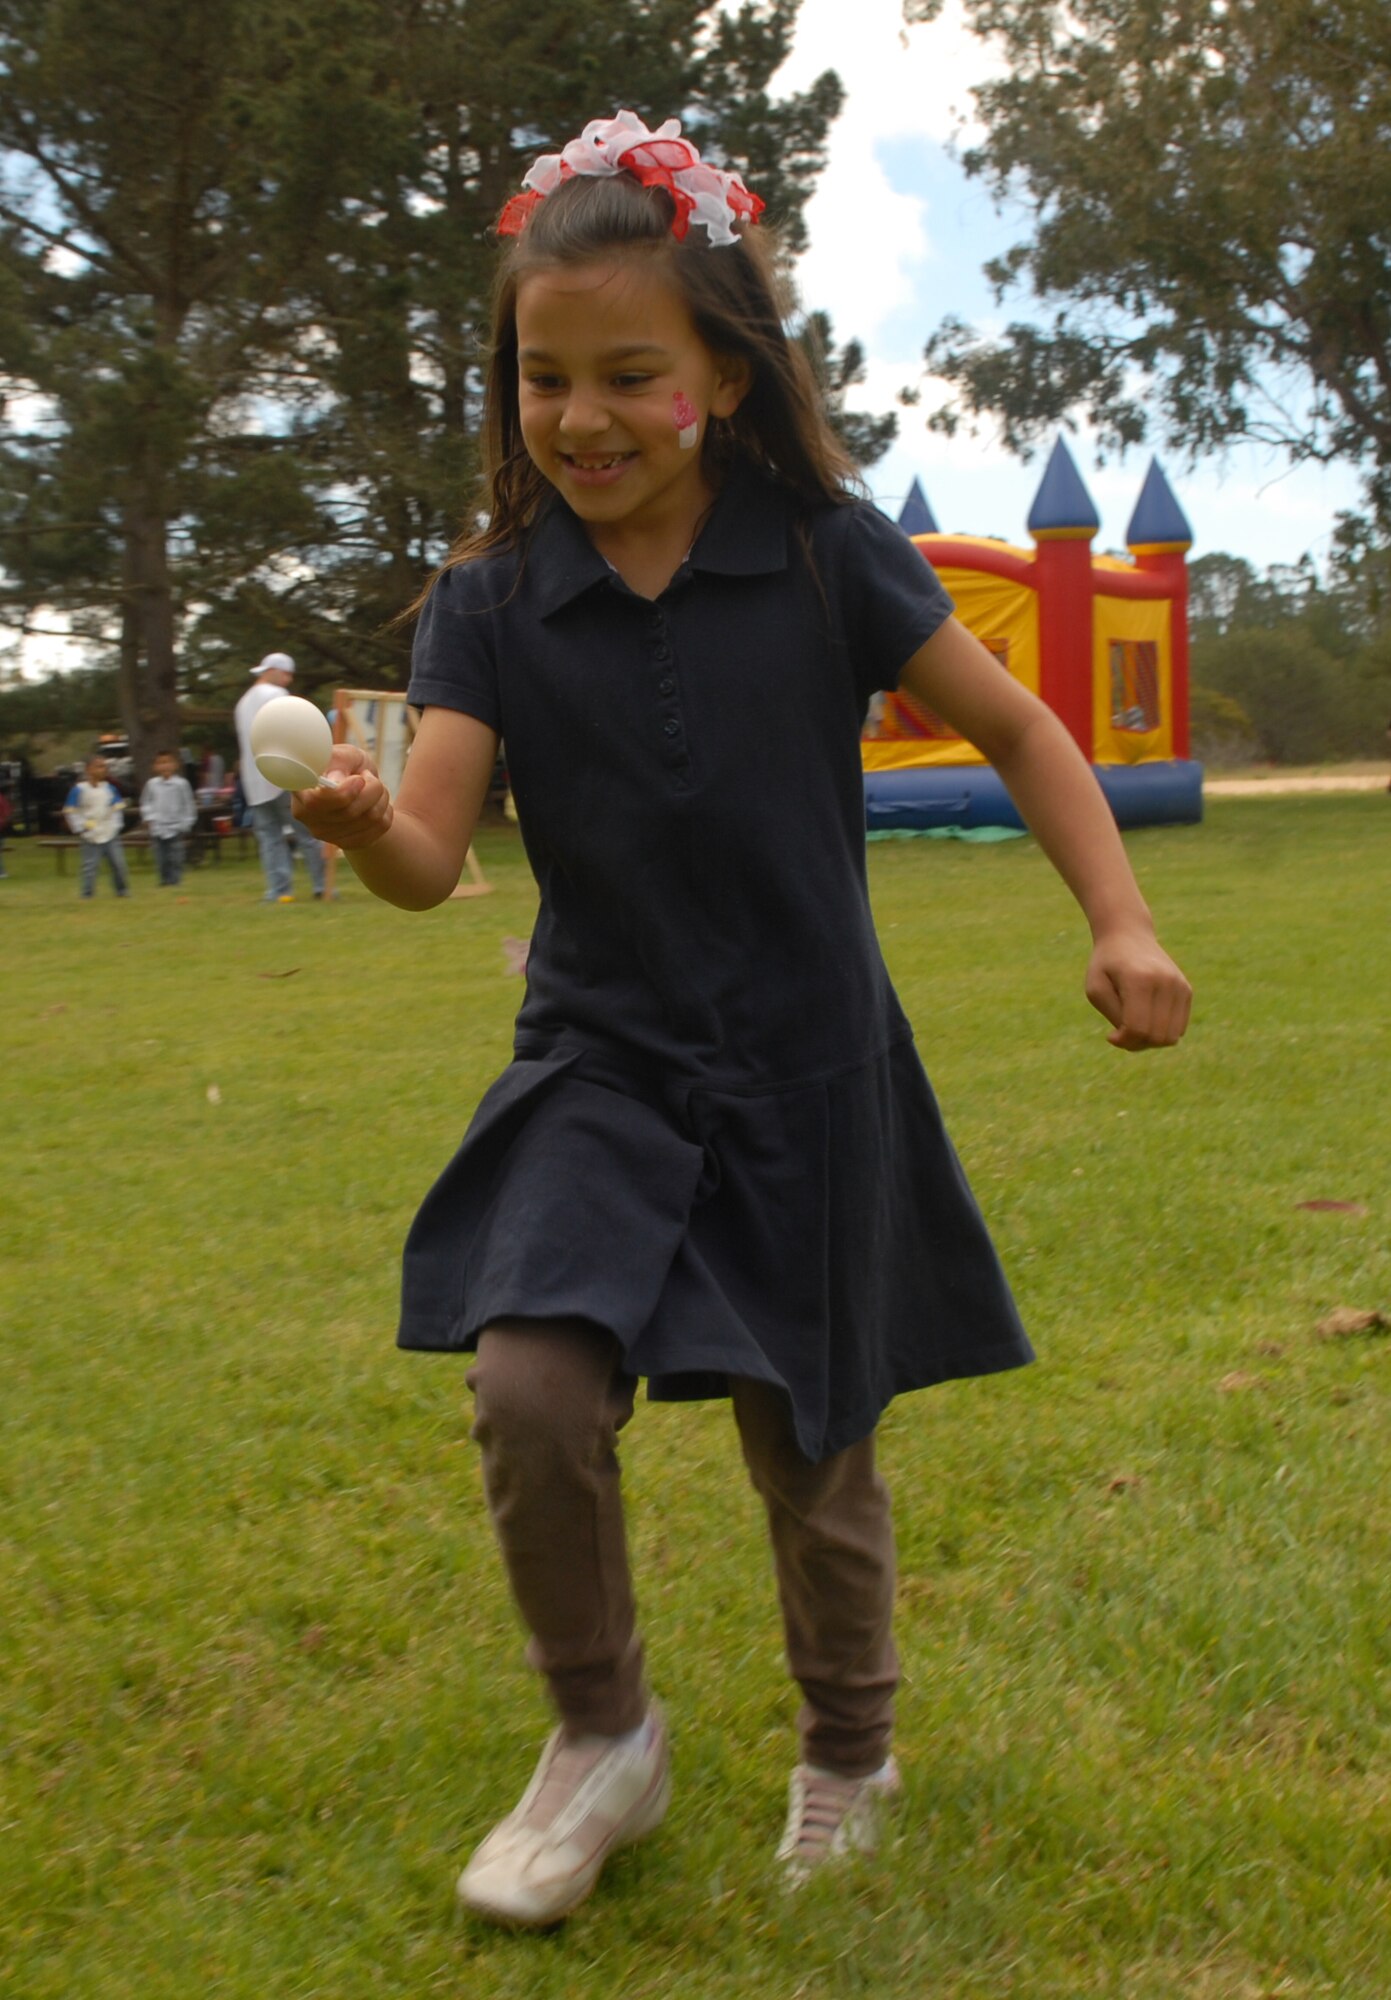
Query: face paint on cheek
[686, 418]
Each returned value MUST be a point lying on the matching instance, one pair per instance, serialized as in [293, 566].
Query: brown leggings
[551, 1398]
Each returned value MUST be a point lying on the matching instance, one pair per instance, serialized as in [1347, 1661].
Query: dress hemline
[709, 1380]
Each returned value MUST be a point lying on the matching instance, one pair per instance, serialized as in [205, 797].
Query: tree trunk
[128, 663]
[152, 719]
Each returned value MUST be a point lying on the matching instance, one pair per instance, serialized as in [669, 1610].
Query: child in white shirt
[95, 811]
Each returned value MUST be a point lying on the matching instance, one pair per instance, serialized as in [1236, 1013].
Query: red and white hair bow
[623, 145]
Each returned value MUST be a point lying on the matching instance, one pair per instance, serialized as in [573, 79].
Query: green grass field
[262, 1684]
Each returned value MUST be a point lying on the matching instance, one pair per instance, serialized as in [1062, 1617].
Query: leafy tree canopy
[1289, 664]
[1208, 187]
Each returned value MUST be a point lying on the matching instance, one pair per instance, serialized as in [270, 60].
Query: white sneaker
[830, 1817]
[589, 1796]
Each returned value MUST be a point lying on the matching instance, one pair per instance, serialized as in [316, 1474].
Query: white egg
[291, 742]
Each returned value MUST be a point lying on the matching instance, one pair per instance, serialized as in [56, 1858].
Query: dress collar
[745, 535]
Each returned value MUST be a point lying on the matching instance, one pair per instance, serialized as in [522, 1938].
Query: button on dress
[715, 1138]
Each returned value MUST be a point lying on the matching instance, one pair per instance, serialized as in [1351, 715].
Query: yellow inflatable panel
[901, 734]
[1002, 614]
[1132, 680]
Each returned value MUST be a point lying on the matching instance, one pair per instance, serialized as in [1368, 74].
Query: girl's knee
[550, 1385]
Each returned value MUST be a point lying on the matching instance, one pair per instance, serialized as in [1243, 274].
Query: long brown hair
[736, 302]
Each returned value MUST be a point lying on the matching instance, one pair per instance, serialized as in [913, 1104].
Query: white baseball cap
[275, 663]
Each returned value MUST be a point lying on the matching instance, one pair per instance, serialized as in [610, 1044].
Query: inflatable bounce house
[1103, 641]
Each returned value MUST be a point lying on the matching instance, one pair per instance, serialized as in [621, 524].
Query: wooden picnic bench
[202, 841]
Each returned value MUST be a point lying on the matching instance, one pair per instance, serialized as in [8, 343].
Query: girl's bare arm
[410, 850]
[1130, 980]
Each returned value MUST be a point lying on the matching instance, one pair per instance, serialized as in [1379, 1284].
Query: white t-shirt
[96, 812]
[258, 790]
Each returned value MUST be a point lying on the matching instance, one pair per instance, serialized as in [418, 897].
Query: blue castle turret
[917, 517]
[1159, 525]
[1063, 510]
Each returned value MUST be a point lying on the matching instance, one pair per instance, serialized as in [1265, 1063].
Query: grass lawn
[263, 1687]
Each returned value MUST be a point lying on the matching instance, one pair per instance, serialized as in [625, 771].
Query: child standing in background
[95, 811]
[715, 1160]
[169, 813]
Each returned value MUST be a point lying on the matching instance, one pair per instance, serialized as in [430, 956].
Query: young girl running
[715, 1160]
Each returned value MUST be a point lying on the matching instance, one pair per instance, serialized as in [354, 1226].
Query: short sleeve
[454, 657]
[892, 599]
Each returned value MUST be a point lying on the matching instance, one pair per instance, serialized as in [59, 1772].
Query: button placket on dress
[675, 750]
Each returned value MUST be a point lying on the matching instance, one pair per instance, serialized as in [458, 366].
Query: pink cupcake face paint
[686, 418]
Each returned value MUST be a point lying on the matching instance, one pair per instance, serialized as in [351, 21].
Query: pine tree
[167, 168]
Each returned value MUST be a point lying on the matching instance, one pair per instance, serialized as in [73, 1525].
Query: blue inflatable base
[968, 795]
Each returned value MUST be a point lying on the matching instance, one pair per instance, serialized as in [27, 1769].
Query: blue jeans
[115, 855]
[169, 858]
[276, 826]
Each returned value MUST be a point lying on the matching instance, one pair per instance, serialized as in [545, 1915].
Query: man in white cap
[276, 825]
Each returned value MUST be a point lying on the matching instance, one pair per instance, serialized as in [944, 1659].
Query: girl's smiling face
[611, 369]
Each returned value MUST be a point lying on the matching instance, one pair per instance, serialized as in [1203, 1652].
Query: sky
[898, 239]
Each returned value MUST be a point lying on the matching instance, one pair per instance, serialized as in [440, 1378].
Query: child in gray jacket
[169, 813]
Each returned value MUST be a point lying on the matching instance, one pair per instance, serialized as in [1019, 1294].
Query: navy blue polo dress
[715, 1138]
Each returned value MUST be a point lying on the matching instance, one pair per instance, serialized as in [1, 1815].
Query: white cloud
[914, 82]
[871, 242]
